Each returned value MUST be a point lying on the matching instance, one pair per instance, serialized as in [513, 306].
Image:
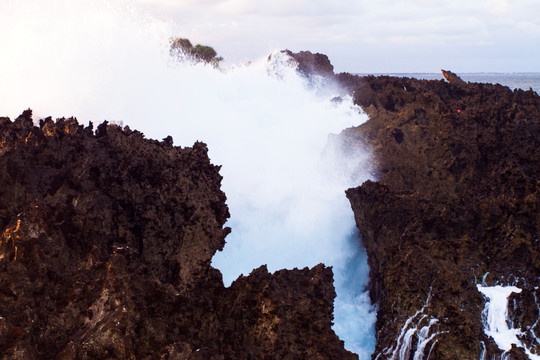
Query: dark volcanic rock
[105, 253]
[312, 64]
[452, 78]
[457, 197]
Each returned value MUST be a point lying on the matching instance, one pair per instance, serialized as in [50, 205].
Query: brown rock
[457, 196]
[105, 250]
[310, 64]
[452, 78]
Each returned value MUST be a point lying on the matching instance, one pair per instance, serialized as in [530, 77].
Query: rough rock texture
[105, 250]
[456, 203]
[452, 78]
[312, 64]
[457, 196]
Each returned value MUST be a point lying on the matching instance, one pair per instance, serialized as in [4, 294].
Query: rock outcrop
[105, 253]
[310, 64]
[456, 203]
[107, 238]
[457, 199]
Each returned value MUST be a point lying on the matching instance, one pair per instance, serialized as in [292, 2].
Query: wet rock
[311, 64]
[105, 250]
[524, 314]
[457, 196]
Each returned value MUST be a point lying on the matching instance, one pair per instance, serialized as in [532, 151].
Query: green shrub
[183, 47]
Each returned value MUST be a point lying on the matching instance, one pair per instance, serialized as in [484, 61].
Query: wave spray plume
[109, 60]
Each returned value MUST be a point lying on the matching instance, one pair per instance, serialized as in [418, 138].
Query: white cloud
[346, 29]
[498, 7]
[348, 26]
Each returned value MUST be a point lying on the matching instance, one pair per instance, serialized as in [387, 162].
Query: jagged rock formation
[105, 253]
[457, 197]
[106, 238]
[452, 78]
[312, 64]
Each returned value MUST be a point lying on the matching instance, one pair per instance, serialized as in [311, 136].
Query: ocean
[524, 81]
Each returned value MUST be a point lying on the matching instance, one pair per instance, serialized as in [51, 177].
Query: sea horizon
[513, 80]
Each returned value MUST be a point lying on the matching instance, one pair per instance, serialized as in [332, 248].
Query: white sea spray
[497, 323]
[266, 126]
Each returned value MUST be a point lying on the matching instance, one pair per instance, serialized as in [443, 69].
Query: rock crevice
[457, 196]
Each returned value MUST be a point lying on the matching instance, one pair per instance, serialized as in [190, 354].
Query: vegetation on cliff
[182, 48]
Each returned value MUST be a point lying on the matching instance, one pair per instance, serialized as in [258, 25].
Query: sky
[368, 35]
[359, 36]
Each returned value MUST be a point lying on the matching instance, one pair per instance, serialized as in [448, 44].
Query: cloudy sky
[369, 35]
[361, 36]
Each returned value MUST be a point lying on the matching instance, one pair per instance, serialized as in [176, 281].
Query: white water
[497, 324]
[108, 60]
[424, 326]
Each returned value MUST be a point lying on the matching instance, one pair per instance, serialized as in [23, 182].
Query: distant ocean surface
[524, 81]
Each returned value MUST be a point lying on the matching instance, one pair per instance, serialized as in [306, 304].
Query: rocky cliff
[456, 204]
[105, 253]
[106, 237]
[457, 198]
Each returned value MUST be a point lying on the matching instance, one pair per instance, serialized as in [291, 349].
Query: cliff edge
[455, 210]
[105, 253]
[456, 204]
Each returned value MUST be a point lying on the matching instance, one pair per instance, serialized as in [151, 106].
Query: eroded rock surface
[457, 196]
[105, 253]
[310, 64]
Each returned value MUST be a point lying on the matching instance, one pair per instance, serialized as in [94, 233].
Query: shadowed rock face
[105, 253]
[457, 196]
[312, 64]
